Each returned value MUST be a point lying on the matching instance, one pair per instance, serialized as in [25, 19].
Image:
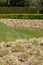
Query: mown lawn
[9, 34]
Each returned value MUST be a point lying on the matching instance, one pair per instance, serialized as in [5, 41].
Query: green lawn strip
[29, 33]
[10, 34]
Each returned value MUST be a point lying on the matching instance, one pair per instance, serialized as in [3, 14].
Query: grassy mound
[9, 34]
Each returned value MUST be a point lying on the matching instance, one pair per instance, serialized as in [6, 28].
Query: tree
[27, 2]
[8, 2]
[18, 2]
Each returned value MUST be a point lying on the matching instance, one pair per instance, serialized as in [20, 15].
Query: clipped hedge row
[18, 10]
[21, 16]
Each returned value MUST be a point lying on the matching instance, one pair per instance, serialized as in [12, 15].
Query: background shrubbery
[21, 6]
[18, 10]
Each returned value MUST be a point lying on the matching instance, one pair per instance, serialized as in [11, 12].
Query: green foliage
[18, 10]
[21, 6]
[22, 16]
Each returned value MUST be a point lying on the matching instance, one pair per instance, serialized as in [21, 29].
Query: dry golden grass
[26, 24]
[22, 52]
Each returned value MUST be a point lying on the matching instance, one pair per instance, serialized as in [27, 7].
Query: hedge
[18, 10]
[21, 16]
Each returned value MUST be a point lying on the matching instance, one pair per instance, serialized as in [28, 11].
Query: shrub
[22, 16]
[18, 10]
